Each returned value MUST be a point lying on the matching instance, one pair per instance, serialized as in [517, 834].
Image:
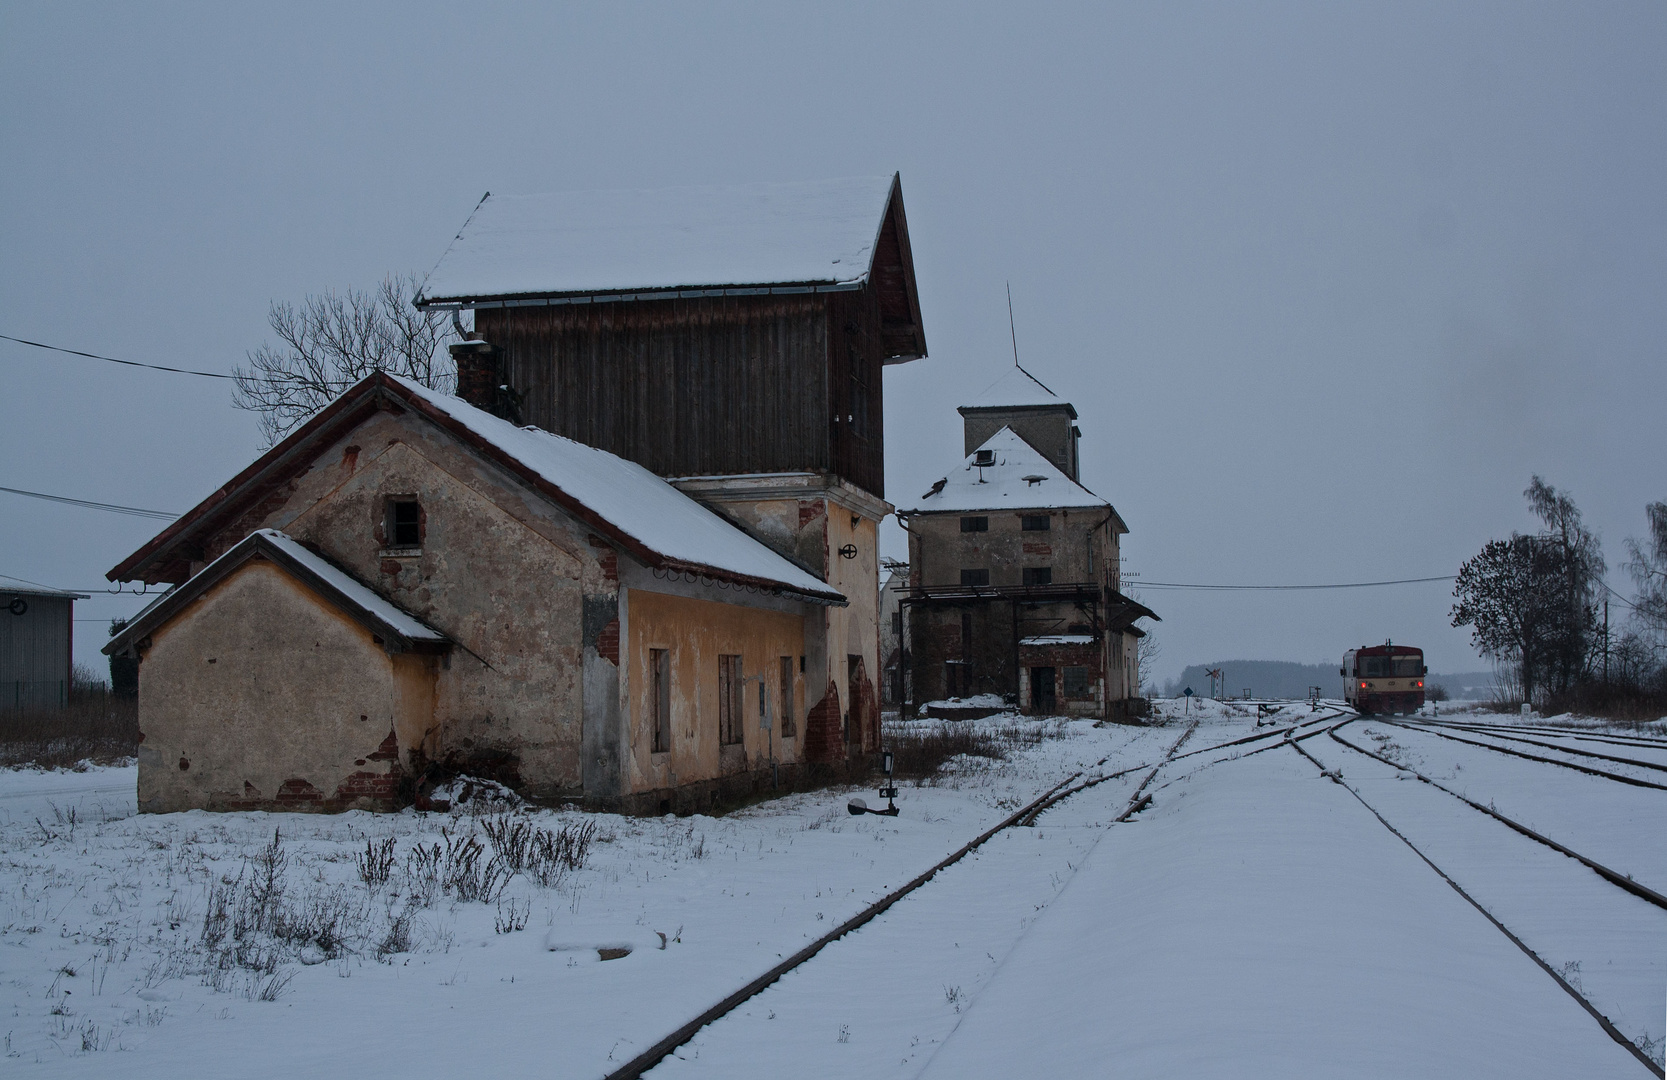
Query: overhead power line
[1285, 588]
[135, 511]
[114, 360]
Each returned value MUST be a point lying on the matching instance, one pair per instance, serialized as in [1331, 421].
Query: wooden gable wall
[706, 386]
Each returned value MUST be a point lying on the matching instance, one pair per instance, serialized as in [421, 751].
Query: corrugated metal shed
[36, 642]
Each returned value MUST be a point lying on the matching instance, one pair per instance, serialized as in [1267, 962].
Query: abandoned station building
[1014, 568]
[632, 562]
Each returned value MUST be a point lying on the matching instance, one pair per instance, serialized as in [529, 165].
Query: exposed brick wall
[809, 511]
[866, 715]
[823, 741]
[388, 751]
[298, 793]
[607, 643]
[607, 558]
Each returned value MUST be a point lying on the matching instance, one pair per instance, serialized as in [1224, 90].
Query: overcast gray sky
[1327, 282]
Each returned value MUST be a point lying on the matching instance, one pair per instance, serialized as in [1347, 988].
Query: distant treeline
[1284, 679]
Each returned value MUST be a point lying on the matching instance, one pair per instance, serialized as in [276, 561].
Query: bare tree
[1580, 569]
[1148, 650]
[333, 340]
[1648, 567]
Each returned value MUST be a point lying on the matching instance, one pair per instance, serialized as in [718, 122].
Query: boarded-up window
[975, 524]
[1036, 523]
[730, 688]
[789, 725]
[1076, 682]
[1038, 575]
[659, 666]
[975, 577]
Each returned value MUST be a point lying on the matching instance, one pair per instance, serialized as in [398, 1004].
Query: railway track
[1614, 878]
[1585, 1003]
[1026, 815]
[1485, 732]
[1558, 731]
[1276, 738]
[1589, 770]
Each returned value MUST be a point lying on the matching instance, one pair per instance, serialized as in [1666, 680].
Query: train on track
[1385, 678]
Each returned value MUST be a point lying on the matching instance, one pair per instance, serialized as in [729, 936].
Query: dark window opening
[1042, 690]
[1036, 523]
[730, 688]
[404, 525]
[789, 726]
[659, 663]
[975, 524]
[955, 679]
[1038, 575]
[1076, 682]
[975, 577]
[897, 623]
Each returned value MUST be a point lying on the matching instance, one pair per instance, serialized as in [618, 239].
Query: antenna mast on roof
[1011, 329]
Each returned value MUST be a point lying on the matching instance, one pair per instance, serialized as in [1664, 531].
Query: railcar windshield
[1402, 666]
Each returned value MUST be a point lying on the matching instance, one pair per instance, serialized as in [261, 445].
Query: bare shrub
[457, 866]
[376, 862]
[95, 727]
[512, 915]
[544, 855]
[921, 751]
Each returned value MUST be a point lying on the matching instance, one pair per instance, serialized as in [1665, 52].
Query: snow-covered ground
[1254, 920]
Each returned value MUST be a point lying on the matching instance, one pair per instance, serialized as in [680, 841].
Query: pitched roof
[585, 242]
[1017, 388]
[1020, 479]
[375, 612]
[636, 504]
[15, 586]
[624, 502]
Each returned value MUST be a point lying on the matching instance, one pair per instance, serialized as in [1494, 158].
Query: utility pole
[1606, 649]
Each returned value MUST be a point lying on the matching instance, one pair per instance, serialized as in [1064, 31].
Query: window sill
[400, 553]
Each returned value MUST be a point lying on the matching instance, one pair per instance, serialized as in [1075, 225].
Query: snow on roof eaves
[352, 590]
[12, 586]
[372, 610]
[633, 500]
[1017, 388]
[1006, 485]
[588, 242]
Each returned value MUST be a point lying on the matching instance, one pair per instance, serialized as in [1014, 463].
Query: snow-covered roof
[13, 586]
[351, 589]
[369, 607]
[588, 242]
[1020, 479]
[632, 500]
[1017, 387]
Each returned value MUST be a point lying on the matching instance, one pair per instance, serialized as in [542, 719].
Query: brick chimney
[477, 373]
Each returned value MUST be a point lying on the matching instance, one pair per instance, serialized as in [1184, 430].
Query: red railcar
[1385, 678]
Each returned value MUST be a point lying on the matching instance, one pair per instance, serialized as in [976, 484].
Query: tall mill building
[1014, 572]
